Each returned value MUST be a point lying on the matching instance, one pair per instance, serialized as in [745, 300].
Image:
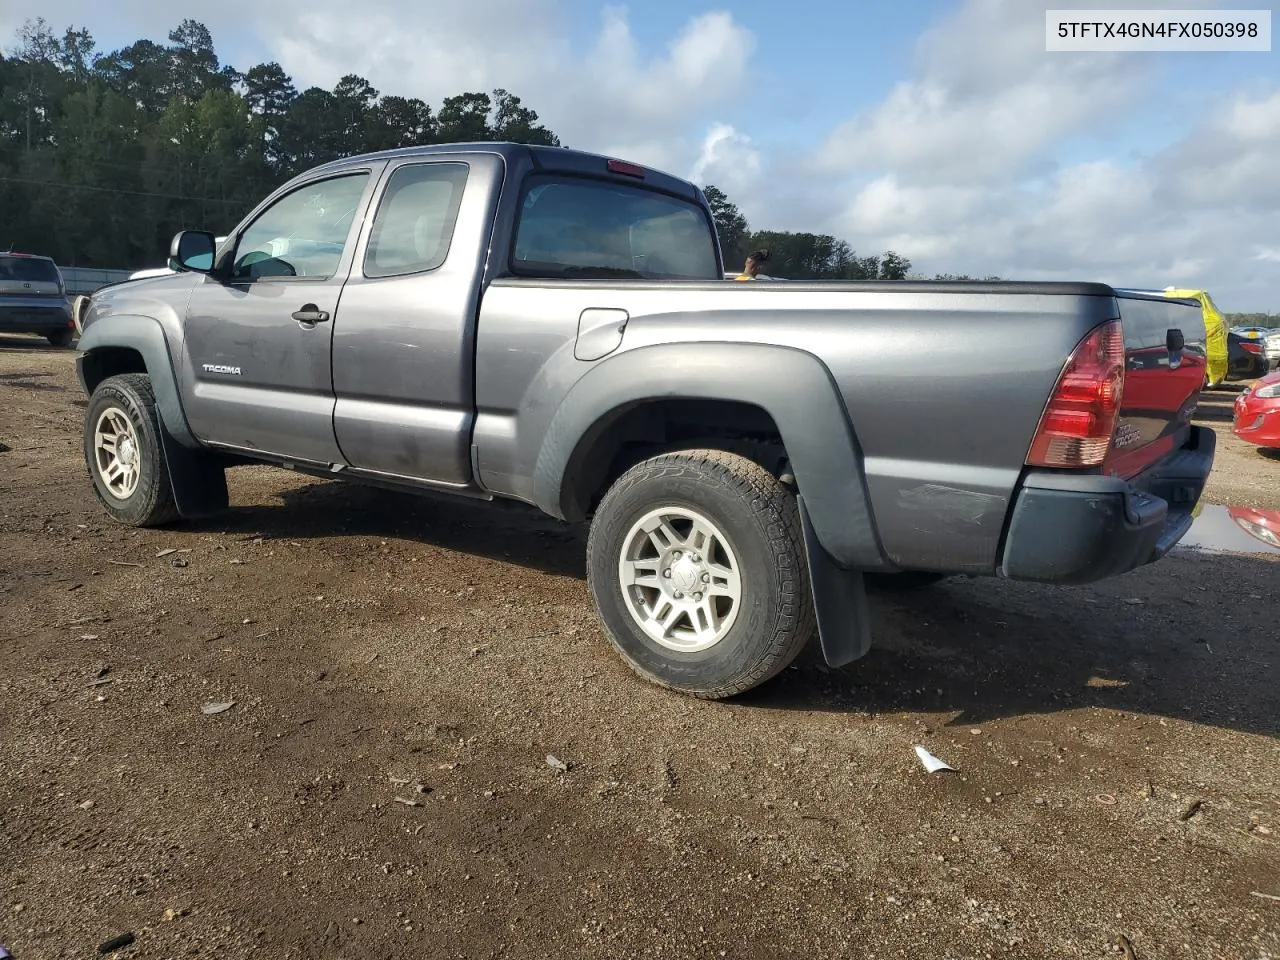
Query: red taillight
[627, 169]
[1249, 346]
[1078, 423]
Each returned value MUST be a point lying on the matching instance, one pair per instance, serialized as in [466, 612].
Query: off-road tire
[761, 519]
[151, 504]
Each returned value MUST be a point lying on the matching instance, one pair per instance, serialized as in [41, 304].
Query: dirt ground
[401, 669]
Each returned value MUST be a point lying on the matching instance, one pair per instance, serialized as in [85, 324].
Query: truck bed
[944, 382]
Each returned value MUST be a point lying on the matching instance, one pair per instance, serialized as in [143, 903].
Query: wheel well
[109, 362]
[619, 441]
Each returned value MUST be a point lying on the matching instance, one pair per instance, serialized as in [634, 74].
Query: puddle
[1219, 529]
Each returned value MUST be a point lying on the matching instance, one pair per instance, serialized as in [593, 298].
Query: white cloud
[610, 96]
[608, 93]
[987, 101]
[728, 159]
[1199, 213]
[959, 168]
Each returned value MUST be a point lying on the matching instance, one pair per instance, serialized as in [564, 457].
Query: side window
[416, 216]
[303, 233]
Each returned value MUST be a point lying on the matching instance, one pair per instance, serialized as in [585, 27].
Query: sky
[941, 130]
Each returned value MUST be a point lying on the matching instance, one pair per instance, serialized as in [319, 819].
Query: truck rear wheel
[695, 562]
[123, 452]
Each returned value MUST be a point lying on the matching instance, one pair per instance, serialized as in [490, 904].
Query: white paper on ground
[932, 763]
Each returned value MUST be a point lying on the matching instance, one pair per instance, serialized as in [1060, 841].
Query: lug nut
[706, 578]
[667, 573]
[697, 596]
[679, 595]
[696, 558]
[675, 555]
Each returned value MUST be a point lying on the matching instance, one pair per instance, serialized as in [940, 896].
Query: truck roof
[552, 159]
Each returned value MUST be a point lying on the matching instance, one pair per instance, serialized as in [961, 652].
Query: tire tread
[158, 506]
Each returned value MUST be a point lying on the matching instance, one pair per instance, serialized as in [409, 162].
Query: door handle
[311, 314]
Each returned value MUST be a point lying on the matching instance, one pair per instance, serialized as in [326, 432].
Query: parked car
[1268, 336]
[1260, 524]
[1256, 417]
[1247, 359]
[499, 321]
[33, 298]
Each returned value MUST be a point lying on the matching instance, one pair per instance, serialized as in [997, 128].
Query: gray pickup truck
[549, 326]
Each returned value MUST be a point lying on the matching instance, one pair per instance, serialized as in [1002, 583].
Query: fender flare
[792, 386]
[147, 337]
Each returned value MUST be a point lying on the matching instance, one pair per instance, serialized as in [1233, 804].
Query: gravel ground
[401, 670]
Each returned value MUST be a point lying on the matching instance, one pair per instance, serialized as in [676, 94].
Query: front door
[259, 331]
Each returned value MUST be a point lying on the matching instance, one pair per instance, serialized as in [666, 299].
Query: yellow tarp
[1215, 332]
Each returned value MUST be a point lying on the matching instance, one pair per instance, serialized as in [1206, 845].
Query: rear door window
[582, 229]
[413, 227]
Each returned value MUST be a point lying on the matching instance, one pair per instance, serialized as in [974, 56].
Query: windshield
[28, 269]
[571, 228]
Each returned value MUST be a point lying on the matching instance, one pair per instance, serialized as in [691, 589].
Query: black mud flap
[839, 601]
[199, 478]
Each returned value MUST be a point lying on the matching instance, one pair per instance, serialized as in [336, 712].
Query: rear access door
[1162, 379]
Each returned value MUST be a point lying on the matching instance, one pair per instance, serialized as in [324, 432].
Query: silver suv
[33, 298]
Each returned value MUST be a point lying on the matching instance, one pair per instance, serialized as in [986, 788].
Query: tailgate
[1162, 380]
[29, 277]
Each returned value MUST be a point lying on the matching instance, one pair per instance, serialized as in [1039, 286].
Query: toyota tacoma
[550, 326]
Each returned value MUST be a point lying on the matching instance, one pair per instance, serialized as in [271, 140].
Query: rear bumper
[1071, 529]
[34, 316]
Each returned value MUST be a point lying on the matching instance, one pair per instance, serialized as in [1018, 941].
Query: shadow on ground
[31, 381]
[979, 649]
[21, 343]
[988, 650]
[500, 530]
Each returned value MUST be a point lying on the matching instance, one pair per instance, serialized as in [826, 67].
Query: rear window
[585, 228]
[28, 269]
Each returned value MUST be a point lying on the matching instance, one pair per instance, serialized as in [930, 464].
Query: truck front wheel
[695, 562]
[123, 452]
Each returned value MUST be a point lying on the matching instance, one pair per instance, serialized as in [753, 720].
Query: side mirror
[193, 250]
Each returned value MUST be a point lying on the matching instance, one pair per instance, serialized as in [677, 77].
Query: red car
[1262, 524]
[1257, 413]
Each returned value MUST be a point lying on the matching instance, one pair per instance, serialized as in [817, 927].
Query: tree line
[806, 256]
[1271, 320]
[104, 156]
[796, 256]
